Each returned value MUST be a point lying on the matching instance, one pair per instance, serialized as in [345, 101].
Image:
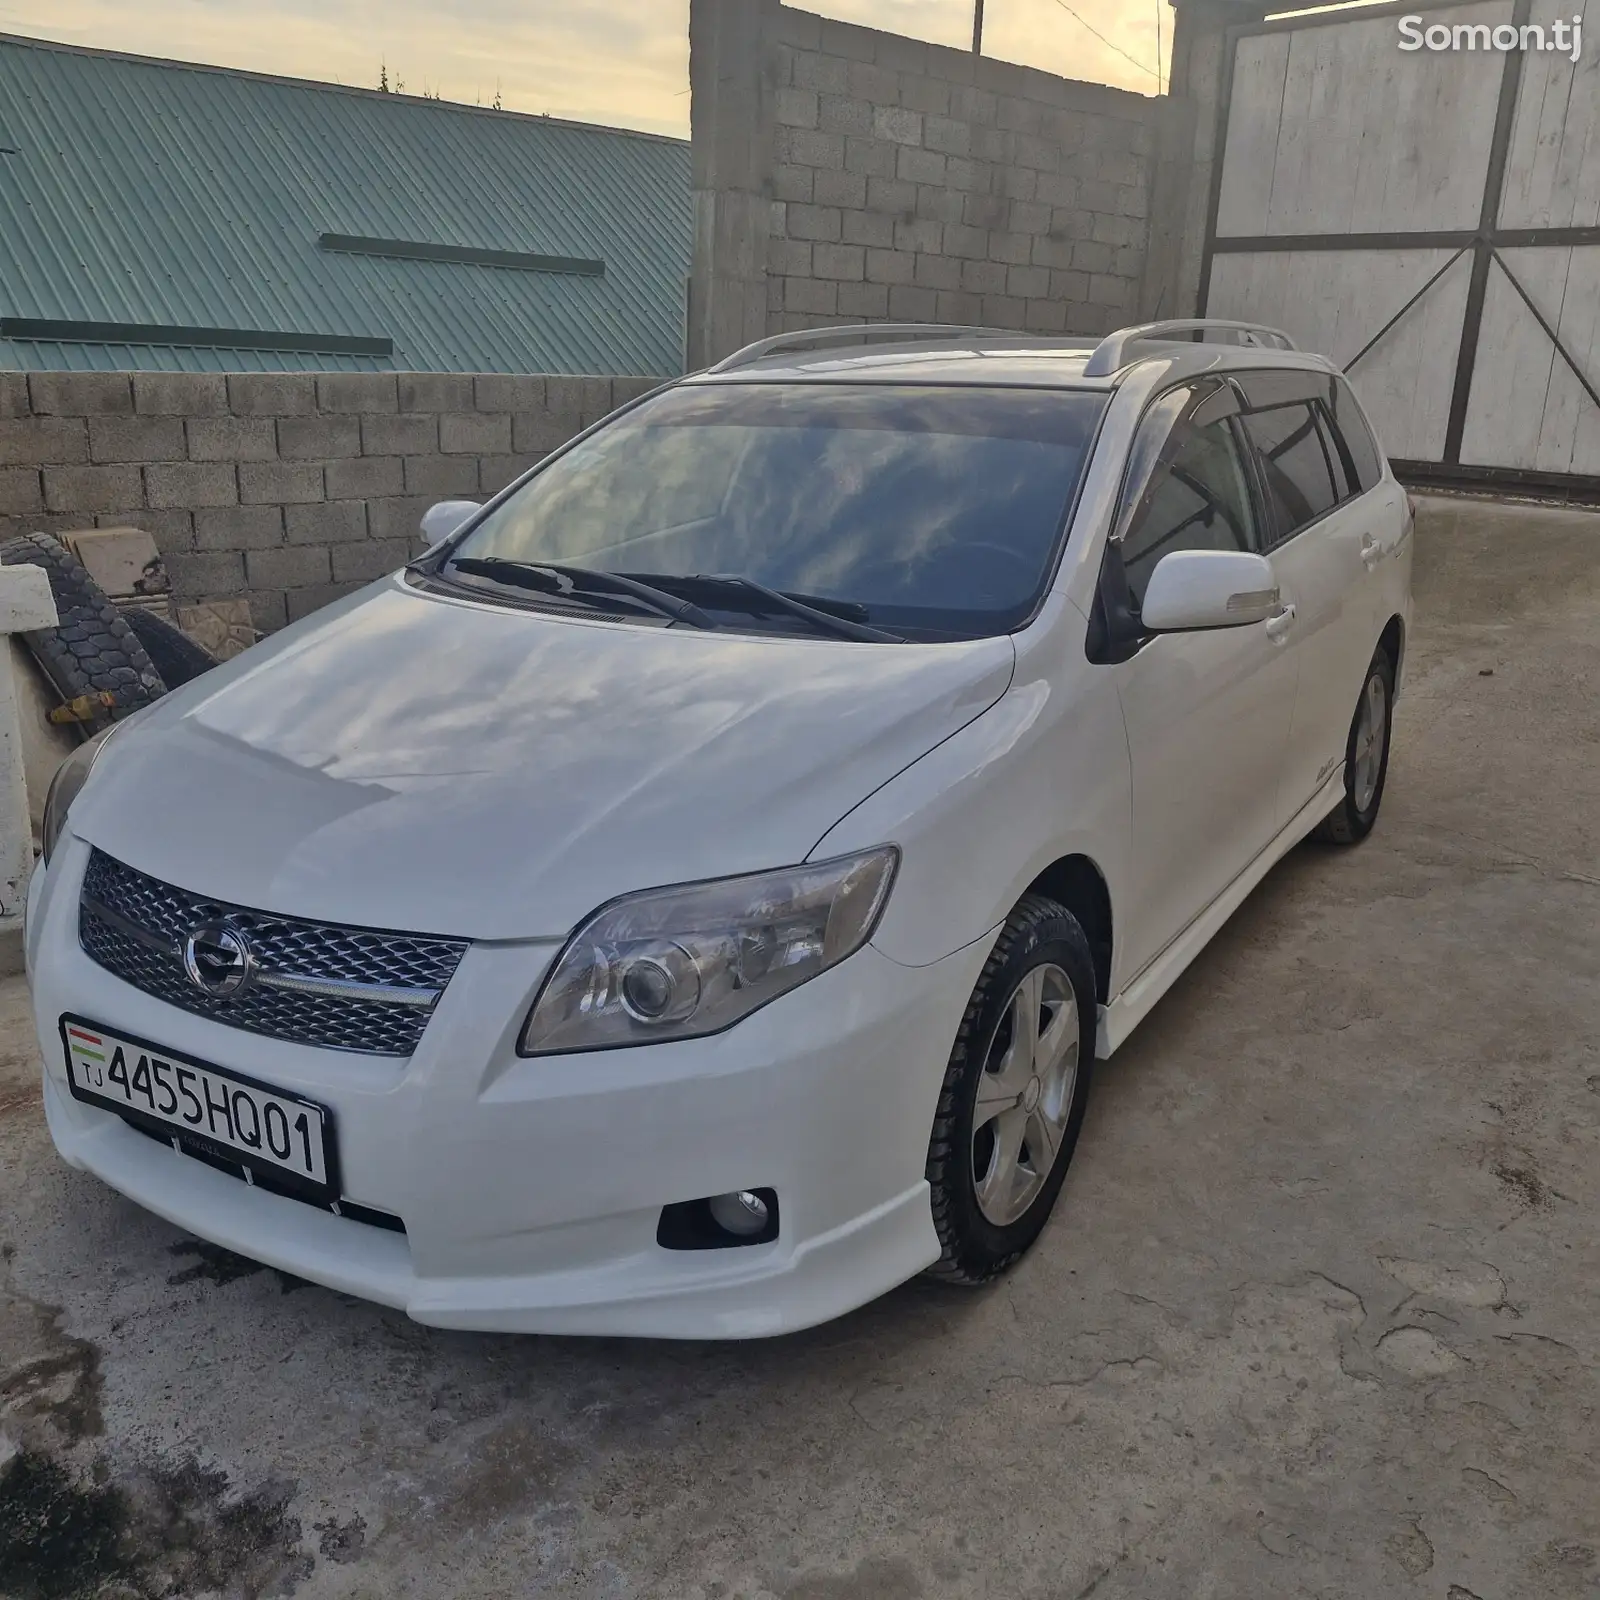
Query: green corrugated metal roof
[149, 192]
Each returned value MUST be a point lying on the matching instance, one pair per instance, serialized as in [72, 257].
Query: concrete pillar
[1199, 50]
[733, 83]
[25, 604]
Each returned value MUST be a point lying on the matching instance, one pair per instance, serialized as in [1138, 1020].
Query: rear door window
[1302, 481]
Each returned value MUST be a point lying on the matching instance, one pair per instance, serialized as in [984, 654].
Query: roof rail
[799, 338]
[1111, 355]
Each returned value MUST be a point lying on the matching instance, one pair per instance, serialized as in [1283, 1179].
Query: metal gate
[1431, 220]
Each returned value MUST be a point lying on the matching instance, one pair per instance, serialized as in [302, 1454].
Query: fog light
[742, 1213]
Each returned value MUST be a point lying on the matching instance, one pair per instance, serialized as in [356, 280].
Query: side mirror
[1191, 589]
[441, 520]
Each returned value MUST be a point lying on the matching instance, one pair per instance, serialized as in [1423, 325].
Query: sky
[624, 62]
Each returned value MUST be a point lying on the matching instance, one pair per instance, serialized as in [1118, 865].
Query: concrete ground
[1319, 1314]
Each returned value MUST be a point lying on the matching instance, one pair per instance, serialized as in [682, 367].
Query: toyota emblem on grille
[218, 959]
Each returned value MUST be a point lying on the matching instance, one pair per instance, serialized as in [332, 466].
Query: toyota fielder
[689, 899]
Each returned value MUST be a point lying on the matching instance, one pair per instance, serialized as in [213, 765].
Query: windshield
[933, 513]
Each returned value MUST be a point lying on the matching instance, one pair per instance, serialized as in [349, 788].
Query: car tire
[1366, 758]
[990, 1197]
[176, 656]
[91, 650]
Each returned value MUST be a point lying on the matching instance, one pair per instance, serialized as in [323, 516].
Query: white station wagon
[690, 899]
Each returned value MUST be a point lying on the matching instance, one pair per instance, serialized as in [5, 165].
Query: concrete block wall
[288, 489]
[912, 182]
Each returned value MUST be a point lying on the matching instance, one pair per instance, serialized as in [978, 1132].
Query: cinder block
[539, 432]
[180, 394]
[986, 211]
[1105, 289]
[357, 391]
[939, 204]
[867, 82]
[1088, 256]
[1069, 287]
[814, 222]
[286, 483]
[1045, 316]
[788, 183]
[336, 522]
[625, 389]
[890, 266]
[1128, 262]
[840, 189]
[800, 30]
[1052, 252]
[993, 144]
[1071, 222]
[195, 484]
[238, 527]
[1041, 154]
[925, 237]
[481, 433]
[1015, 249]
[206, 573]
[20, 490]
[938, 272]
[815, 295]
[910, 304]
[807, 147]
[406, 434]
[272, 394]
[1016, 183]
[172, 528]
[948, 135]
[80, 394]
[897, 125]
[1133, 202]
[970, 243]
[371, 558]
[442, 391]
[789, 258]
[840, 113]
[1018, 115]
[268, 610]
[968, 176]
[14, 400]
[795, 108]
[91, 488]
[495, 472]
[956, 305]
[825, 74]
[971, 104]
[444, 476]
[564, 394]
[926, 94]
[43, 441]
[872, 158]
[290, 567]
[364, 477]
[892, 197]
[987, 277]
[399, 517]
[318, 438]
[1058, 189]
[919, 166]
[863, 300]
[867, 228]
[899, 54]
[1027, 283]
[227, 438]
[845, 263]
[136, 439]
[1003, 311]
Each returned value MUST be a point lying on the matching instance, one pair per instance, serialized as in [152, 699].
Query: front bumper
[531, 1190]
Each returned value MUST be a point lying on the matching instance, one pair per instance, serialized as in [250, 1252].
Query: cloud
[611, 61]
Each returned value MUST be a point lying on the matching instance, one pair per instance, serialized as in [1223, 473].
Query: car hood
[412, 761]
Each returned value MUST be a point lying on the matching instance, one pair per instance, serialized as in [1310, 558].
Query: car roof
[993, 360]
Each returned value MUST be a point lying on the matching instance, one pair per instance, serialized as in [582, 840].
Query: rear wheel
[1366, 758]
[1014, 1093]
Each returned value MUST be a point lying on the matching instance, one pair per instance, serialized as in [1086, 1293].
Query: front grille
[314, 982]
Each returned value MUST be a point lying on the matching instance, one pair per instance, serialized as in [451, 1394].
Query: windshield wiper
[762, 601]
[582, 583]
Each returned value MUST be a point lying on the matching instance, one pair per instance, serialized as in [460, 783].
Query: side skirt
[1130, 1008]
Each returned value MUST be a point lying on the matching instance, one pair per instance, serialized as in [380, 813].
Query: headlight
[679, 963]
[65, 787]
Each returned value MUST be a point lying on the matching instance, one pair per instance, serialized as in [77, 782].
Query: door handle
[1371, 551]
[1279, 626]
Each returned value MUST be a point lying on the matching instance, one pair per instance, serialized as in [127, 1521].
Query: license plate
[220, 1115]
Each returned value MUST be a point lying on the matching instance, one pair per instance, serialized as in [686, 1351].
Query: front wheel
[1014, 1093]
[1366, 760]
